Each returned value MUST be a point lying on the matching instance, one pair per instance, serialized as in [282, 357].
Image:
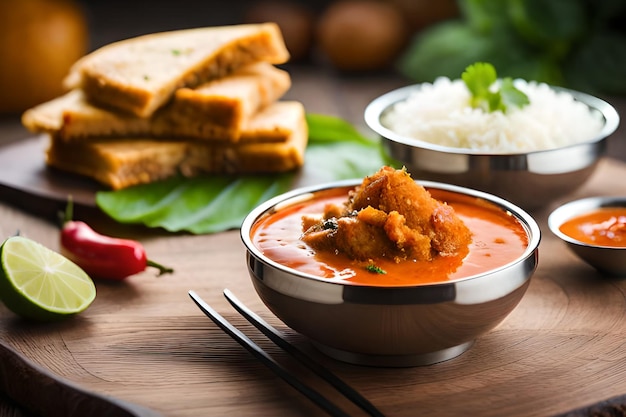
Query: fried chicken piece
[388, 216]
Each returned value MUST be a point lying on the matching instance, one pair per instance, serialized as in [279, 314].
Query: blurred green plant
[579, 44]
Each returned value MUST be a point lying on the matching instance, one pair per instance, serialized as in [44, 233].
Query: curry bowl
[594, 229]
[387, 324]
[529, 179]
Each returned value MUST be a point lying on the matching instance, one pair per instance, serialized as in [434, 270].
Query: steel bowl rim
[558, 216]
[380, 104]
[529, 223]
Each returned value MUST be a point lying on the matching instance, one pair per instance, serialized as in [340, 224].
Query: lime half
[39, 283]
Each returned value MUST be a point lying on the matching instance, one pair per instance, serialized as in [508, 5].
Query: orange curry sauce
[604, 227]
[497, 239]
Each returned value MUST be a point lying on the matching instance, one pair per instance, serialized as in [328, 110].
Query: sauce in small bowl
[605, 226]
[594, 229]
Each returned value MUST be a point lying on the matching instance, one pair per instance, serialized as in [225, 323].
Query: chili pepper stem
[68, 214]
[162, 269]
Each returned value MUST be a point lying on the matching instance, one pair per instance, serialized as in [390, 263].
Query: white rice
[440, 113]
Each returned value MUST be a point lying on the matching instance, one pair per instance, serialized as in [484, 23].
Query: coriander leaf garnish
[512, 96]
[375, 269]
[479, 79]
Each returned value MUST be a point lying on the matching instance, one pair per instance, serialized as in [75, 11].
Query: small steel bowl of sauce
[594, 229]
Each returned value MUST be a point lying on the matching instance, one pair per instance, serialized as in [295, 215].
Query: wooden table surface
[144, 341]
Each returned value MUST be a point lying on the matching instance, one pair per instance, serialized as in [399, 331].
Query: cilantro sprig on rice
[480, 79]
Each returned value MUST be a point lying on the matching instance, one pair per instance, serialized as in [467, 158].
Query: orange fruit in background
[39, 41]
[361, 35]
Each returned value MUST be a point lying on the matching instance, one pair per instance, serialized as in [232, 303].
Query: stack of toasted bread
[192, 101]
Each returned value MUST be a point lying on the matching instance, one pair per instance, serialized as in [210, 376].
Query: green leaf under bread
[215, 203]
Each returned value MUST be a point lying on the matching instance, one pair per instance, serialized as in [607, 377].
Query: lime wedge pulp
[39, 283]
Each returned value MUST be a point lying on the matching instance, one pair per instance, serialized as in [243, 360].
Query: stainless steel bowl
[530, 180]
[607, 260]
[390, 326]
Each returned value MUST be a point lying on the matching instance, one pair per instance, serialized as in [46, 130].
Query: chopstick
[316, 397]
[274, 335]
[279, 339]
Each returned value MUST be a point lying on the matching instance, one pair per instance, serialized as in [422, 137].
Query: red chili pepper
[102, 256]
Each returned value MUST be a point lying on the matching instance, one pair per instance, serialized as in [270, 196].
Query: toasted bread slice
[121, 163]
[118, 163]
[139, 75]
[274, 123]
[217, 110]
[227, 104]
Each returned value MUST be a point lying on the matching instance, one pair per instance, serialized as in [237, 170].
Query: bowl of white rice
[529, 155]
